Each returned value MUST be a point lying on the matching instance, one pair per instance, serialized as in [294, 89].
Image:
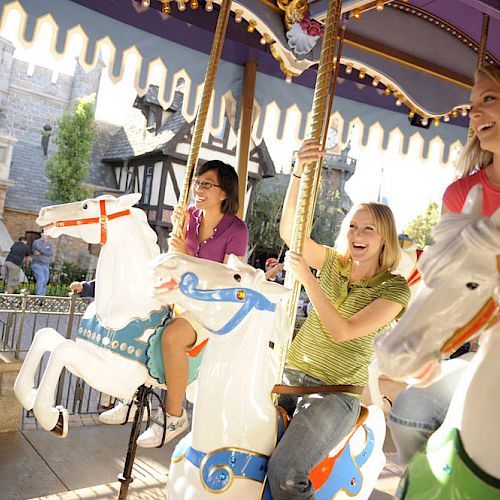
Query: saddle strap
[316, 389]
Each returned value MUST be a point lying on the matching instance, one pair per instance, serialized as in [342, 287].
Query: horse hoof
[61, 428]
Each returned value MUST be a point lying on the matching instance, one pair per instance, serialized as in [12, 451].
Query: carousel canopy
[416, 57]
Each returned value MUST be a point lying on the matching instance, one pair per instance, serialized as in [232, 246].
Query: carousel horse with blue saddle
[118, 342]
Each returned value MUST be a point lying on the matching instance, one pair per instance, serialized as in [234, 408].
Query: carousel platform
[85, 465]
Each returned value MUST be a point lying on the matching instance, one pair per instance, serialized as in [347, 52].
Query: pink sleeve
[453, 197]
[237, 243]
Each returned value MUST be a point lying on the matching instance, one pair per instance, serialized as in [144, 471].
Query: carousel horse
[235, 424]
[113, 351]
[459, 299]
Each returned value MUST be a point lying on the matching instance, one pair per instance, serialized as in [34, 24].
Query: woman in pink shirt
[480, 161]
[210, 230]
[417, 413]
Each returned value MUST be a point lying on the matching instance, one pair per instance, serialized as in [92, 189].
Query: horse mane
[456, 235]
[147, 232]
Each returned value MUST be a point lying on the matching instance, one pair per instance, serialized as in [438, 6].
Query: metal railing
[21, 316]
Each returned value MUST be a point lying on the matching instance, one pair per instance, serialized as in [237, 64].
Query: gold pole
[201, 117]
[318, 119]
[244, 131]
[331, 97]
[302, 215]
[481, 54]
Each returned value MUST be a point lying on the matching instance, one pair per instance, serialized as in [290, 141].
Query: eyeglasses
[205, 185]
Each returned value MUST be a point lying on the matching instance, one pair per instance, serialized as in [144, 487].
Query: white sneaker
[118, 414]
[152, 436]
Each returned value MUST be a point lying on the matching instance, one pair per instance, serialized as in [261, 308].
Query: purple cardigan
[230, 236]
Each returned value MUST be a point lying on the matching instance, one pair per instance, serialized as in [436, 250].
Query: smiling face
[365, 242]
[485, 114]
[208, 199]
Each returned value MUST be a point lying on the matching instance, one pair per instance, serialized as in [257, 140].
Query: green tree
[420, 228]
[69, 166]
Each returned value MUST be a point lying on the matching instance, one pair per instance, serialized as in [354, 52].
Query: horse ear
[495, 218]
[474, 202]
[129, 200]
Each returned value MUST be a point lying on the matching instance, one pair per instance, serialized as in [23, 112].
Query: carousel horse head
[459, 296]
[202, 286]
[90, 219]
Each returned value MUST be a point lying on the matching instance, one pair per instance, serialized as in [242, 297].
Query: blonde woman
[356, 298]
[417, 413]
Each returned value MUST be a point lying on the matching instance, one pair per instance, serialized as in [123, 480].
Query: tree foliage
[69, 166]
[420, 228]
[264, 219]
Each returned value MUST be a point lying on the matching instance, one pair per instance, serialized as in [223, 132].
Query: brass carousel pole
[321, 92]
[201, 117]
[331, 98]
[481, 53]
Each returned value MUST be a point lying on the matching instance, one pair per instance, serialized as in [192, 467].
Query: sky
[407, 183]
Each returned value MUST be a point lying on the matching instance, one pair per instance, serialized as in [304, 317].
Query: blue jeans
[41, 272]
[419, 412]
[319, 423]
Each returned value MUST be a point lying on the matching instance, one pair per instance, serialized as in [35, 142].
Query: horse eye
[85, 206]
[237, 277]
[472, 286]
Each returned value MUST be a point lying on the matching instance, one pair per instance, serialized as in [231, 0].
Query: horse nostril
[472, 286]
[237, 277]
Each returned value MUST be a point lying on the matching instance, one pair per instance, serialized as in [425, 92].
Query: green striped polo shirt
[342, 363]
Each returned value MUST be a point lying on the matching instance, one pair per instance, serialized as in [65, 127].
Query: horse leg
[45, 340]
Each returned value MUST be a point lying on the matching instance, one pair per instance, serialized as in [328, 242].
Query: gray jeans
[319, 423]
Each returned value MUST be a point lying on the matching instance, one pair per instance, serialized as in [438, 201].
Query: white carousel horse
[235, 424]
[460, 297]
[111, 348]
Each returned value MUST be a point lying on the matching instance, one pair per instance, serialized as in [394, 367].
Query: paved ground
[35, 464]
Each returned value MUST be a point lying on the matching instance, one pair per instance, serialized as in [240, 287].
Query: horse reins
[485, 318]
[102, 220]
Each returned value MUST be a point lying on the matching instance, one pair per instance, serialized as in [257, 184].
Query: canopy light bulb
[424, 122]
[194, 4]
[145, 3]
[362, 73]
[288, 78]
[209, 6]
[454, 113]
[238, 16]
[411, 114]
[436, 122]
[446, 118]
[399, 102]
[375, 82]
[348, 69]
[464, 112]
[356, 13]
[387, 91]
[380, 5]
[181, 5]
[251, 25]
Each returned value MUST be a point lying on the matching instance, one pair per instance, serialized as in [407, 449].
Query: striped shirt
[343, 363]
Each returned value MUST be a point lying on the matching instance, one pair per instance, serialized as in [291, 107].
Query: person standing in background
[19, 252]
[42, 253]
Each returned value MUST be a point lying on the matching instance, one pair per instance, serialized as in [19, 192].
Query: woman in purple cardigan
[210, 230]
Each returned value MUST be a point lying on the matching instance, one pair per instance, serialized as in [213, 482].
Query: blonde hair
[473, 156]
[386, 227]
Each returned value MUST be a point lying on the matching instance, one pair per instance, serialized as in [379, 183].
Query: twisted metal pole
[201, 117]
[303, 213]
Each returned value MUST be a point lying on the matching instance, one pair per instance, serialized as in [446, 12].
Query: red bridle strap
[486, 317]
[102, 219]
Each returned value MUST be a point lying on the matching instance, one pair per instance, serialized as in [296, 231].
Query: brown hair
[473, 156]
[386, 227]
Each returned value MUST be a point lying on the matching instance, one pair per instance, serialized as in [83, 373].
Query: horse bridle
[250, 299]
[103, 220]
[485, 318]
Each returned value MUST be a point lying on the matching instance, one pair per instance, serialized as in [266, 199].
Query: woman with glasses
[210, 229]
